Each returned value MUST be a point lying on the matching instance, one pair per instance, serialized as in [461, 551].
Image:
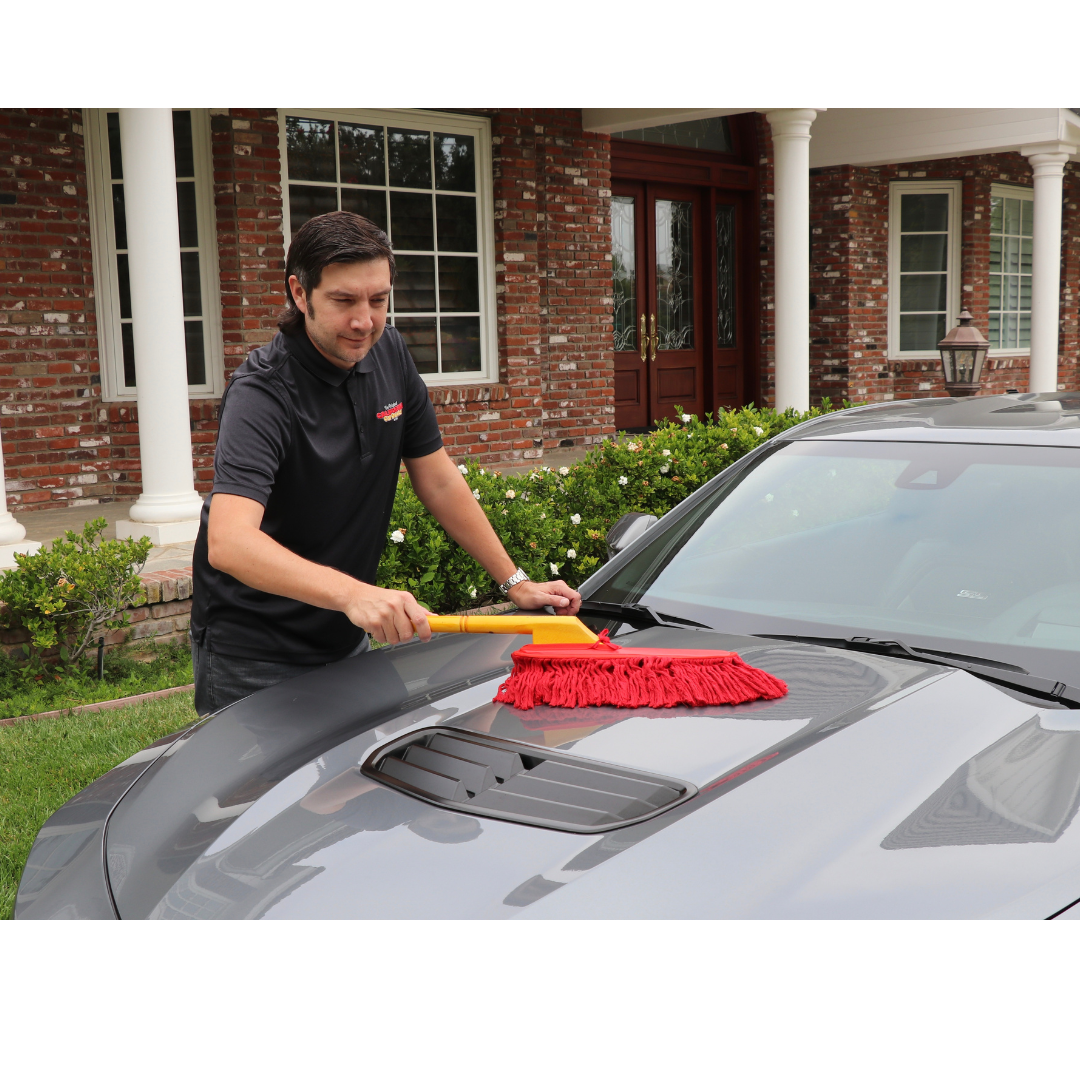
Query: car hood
[879, 787]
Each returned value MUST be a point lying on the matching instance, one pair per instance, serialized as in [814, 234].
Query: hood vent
[497, 778]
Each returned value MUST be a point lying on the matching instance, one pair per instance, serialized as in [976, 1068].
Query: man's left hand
[532, 595]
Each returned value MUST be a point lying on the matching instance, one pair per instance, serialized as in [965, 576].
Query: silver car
[911, 570]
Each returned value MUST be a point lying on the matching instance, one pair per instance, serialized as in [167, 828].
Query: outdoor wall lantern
[963, 351]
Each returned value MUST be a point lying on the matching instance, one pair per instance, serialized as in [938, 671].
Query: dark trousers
[220, 680]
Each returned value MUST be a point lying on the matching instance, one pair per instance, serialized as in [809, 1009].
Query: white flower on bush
[511, 493]
[554, 568]
[542, 516]
[463, 469]
[571, 553]
[397, 536]
[687, 417]
[723, 446]
[664, 468]
[483, 472]
[575, 519]
[472, 594]
[623, 481]
[666, 453]
[758, 431]
[631, 446]
[476, 493]
[564, 471]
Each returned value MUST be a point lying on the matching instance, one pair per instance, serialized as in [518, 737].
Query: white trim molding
[897, 189]
[479, 128]
[100, 184]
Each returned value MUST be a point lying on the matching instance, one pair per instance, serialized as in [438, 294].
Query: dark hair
[339, 237]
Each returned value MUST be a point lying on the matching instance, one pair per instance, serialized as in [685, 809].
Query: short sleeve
[422, 435]
[254, 433]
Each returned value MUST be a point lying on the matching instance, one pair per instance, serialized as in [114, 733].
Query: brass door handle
[644, 338]
[653, 339]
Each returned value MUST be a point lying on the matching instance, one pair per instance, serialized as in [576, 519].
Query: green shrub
[66, 594]
[553, 522]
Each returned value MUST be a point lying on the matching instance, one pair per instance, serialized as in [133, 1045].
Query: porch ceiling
[885, 136]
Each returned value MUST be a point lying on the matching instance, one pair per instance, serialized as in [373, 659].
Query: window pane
[457, 223]
[995, 332]
[995, 254]
[1025, 256]
[310, 149]
[995, 292]
[411, 227]
[420, 338]
[1027, 210]
[116, 168]
[460, 344]
[360, 151]
[127, 339]
[624, 270]
[369, 204]
[921, 332]
[185, 209]
[1012, 292]
[455, 168]
[414, 289]
[1011, 261]
[189, 275]
[996, 213]
[1025, 332]
[308, 202]
[1025, 294]
[709, 134]
[922, 292]
[1010, 324]
[924, 212]
[1012, 217]
[725, 277]
[410, 158]
[119, 216]
[459, 284]
[123, 280]
[924, 252]
[196, 354]
[183, 143]
[674, 275]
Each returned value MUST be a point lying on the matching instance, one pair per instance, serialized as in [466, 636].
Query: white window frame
[1009, 191]
[103, 249]
[453, 124]
[954, 189]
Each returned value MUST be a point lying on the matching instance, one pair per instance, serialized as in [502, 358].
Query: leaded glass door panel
[659, 330]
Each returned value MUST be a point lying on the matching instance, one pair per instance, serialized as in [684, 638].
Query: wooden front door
[660, 338]
[684, 242]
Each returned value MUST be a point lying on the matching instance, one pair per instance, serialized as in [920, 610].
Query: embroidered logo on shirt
[391, 412]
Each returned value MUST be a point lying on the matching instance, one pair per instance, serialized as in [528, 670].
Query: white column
[1048, 165]
[12, 534]
[168, 509]
[791, 210]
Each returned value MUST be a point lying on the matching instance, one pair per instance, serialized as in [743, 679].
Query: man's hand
[531, 595]
[388, 615]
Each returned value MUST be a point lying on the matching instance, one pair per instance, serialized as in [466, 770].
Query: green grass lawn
[128, 671]
[44, 762]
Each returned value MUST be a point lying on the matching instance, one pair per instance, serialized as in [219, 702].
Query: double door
[677, 340]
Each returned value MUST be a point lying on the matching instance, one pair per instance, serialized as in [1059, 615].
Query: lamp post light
[963, 351]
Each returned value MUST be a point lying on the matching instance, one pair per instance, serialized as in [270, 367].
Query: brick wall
[850, 280]
[65, 446]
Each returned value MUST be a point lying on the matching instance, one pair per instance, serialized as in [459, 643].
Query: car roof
[1032, 419]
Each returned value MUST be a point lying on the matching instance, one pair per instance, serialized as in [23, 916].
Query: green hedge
[553, 522]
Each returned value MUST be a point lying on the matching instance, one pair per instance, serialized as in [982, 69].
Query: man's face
[345, 313]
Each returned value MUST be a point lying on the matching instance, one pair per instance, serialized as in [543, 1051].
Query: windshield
[947, 544]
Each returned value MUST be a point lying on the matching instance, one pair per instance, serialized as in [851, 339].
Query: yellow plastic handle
[545, 629]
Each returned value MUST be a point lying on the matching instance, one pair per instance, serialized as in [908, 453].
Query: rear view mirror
[626, 530]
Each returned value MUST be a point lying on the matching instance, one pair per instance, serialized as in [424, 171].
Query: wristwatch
[514, 579]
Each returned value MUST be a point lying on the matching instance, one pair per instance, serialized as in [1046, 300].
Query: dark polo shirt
[320, 448]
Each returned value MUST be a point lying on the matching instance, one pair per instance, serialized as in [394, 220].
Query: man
[313, 428]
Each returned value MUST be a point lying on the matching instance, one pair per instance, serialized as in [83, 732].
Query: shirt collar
[300, 347]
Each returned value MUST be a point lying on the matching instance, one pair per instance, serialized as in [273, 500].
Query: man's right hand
[389, 615]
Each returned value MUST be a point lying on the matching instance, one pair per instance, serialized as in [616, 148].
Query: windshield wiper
[980, 666]
[638, 615]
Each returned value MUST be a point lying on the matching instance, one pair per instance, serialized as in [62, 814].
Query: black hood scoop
[489, 777]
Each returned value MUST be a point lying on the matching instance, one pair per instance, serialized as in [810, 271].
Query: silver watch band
[515, 578]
